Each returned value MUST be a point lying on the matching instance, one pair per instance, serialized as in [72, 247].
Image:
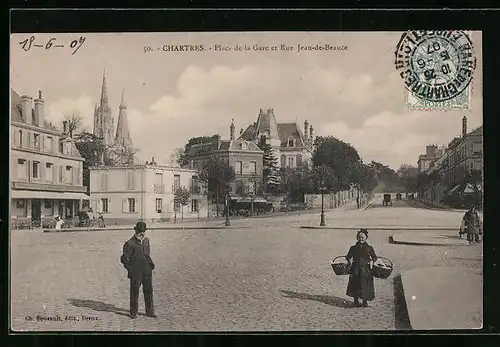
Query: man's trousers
[147, 289]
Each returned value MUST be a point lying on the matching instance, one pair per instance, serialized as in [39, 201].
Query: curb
[74, 230]
[418, 243]
[399, 228]
[368, 205]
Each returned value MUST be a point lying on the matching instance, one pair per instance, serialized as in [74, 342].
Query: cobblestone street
[271, 276]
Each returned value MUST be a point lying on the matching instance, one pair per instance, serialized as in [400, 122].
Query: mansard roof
[16, 111]
[287, 130]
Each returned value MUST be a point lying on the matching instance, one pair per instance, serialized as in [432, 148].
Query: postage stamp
[437, 68]
[164, 181]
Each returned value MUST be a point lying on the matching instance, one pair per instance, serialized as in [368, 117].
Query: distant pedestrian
[59, 222]
[137, 260]
[472, 225]
[361, 257]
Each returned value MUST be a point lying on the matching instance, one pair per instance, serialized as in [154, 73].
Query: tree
[184, 157]
[94, 151]
[175, 156]
[323, 179]
[338, 155]
[252, 188]
[217, 174]
[123, 155]
[73, 121]
[181, 198]
[270, 171]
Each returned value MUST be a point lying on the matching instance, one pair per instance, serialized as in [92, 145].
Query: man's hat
[140, 226]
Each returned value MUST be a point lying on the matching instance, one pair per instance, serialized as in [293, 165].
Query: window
[36, 168]
[159, 178]
[194, 205]
[131, 205]
[253, 167]
[244, 146]
[104, 205]
[159, 205]
[49, 171]
[177, 182]
[283, 160]
[291, 142]
[472, 166]
[69, 174]
[20, 203]
[104, 180]
[36, 141]
[49, 144]
[195, 185]
[238, 168]
[47, 204]
[299, 160]
[21, 169]
[130, 179]
[291, 162]
[20, 138]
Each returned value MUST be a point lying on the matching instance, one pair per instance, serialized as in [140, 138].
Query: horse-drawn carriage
[399, 197]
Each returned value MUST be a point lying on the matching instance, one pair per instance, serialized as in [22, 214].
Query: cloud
[83, 104]
[365, 111]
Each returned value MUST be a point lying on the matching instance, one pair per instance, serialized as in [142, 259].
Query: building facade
[465, 154]
[126, 194]
[245, 157]
[432, 153]
[46, 169]
[292, 147]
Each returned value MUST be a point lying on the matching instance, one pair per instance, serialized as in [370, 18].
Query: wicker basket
[339, 268]
[384, 270]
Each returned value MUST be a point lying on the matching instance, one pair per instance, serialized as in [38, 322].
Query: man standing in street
[472, 225]
[136, 259]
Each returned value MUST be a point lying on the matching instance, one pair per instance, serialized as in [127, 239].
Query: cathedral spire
[104, 91]
[122, 137]
[122, 102]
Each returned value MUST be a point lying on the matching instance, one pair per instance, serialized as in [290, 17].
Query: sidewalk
[444, 298]
[444, 237]
[385, 227]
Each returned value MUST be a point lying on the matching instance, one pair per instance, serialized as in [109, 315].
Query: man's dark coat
[136, 258]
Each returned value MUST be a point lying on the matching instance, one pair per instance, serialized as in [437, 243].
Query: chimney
[231, 130]
[27, 111]
[464, 126]
[65, 127]
[39, 110]
[305, 129]
[241, 131]
[153, 161]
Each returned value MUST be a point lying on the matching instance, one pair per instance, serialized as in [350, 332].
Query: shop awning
[30, 194]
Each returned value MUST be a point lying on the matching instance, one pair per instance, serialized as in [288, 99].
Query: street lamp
[228, 223]
[357, 198]
[322, 223]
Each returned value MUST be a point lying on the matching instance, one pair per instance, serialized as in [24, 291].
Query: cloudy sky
[355, 95]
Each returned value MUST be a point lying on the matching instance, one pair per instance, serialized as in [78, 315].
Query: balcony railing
[159, 188]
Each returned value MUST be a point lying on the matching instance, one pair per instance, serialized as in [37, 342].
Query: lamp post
[357, 198]
[322, 222]
[228, 223]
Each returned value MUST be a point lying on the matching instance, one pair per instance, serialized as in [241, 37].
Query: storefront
[38, 206]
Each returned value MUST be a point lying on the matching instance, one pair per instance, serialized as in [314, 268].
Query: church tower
[103, 119]
[122, 137]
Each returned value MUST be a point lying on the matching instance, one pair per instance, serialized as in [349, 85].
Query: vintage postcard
[246, 181]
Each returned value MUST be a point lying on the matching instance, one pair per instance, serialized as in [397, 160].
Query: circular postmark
[435, 65]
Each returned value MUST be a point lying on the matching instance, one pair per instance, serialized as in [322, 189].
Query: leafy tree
[338, 155]
[252, 188]
[294, 183]
[181, 198]
[123, 155]
[217, 174]
[324, 178]
[184, 157]
[270, 171]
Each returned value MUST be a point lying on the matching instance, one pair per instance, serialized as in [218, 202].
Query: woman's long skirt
[361, 284]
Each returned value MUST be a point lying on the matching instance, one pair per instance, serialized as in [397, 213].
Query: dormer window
[244, 146]
[291, 142]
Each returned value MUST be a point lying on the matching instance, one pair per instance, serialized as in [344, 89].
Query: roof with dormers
[16, 111]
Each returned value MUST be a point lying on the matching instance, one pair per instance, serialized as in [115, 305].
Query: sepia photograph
[246, 181]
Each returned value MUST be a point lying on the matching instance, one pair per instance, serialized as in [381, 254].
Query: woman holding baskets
[361, 257]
